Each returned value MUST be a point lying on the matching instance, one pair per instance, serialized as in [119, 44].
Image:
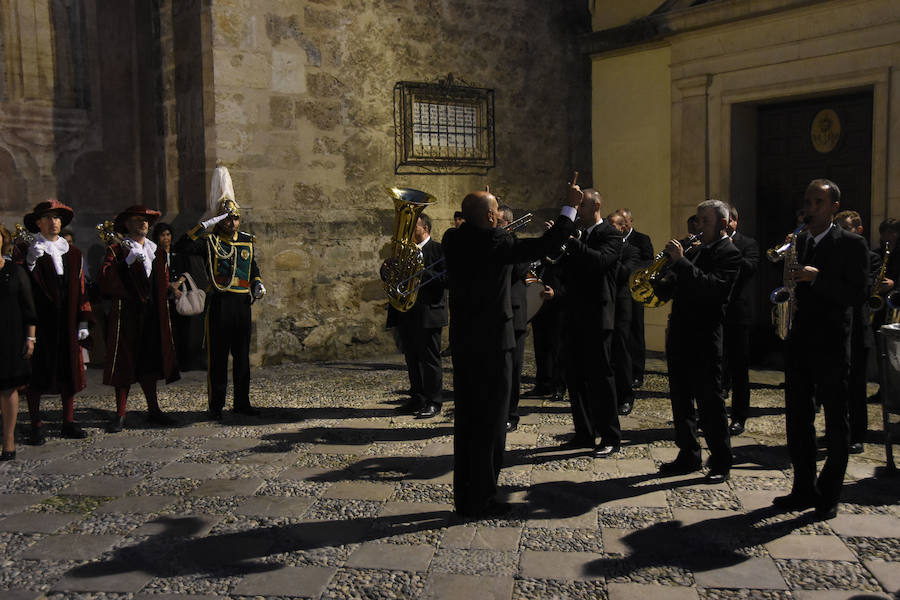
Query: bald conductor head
[480, 210]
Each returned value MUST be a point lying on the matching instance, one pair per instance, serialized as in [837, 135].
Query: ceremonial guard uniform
[234, 284]
[140, 346]
[63, 315]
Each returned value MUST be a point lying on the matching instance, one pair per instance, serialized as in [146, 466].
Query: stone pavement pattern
[331, 494]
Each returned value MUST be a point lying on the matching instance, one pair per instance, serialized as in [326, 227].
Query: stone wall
[303, 118]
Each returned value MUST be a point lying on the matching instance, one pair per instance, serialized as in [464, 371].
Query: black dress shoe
[625, 409]
[246, 410]
[72, 431]
[794, 501]
[36, 435]
[115, 425]
[430, 410]
[856, 448]
[7, 455]
[604, 451]
[736, 428]
[160, 418]
[679, 467]
[510, 426]
[714, 477]
[558, 396]
[637, 384]
[826, 512]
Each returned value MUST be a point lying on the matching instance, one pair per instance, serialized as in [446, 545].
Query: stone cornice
[659, 25]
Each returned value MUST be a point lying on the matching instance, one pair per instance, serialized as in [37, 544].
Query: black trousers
[737, 368]
[817, 374]
[858, 405]
[638, 349]
[592, 386]
[623, 365]
[422, 351]
[695, 375]
[516, 377]
[546, 327]
[228, 332]
[481, 383]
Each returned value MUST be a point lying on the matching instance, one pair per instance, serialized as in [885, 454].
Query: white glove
[259, 290]
[134, 254]
[83, 332]
[34, 253]
[214, 220]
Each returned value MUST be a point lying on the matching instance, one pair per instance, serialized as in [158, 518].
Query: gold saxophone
[875, 301]
[641, 281]
[784, 298]
[401, 272]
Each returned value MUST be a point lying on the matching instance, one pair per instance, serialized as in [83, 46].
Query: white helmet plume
[220, 187]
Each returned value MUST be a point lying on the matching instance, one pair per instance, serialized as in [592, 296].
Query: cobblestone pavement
[332, 494]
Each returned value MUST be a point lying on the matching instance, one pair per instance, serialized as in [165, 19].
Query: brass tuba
[400, 273]
[641, 281]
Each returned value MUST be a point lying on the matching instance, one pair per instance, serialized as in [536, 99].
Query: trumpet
[563, 249]
[641, 281]
[519, 223]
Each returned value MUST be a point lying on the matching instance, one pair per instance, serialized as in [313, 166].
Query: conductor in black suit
[701, 284]
[479, 260]
[831, 278]
[738, 318]
[420, 329]
[589, 276]
[637, 343]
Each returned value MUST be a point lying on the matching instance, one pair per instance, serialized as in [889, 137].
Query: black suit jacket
[429, 310]
[702, 289]
[518, 296]
[479, 268]
[589, 272]
[631, 258]
[740, 309]
[642, 242]
[824, 316]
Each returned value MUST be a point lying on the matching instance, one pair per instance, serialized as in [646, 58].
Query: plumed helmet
[221, 193]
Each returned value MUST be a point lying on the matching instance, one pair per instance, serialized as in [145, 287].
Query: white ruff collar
[54, 249]
[148, 250]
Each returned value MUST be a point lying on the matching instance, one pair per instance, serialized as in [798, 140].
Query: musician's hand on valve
[547, 293]
[885, 285]
[259, 290]
[548, 224]
[674, 249]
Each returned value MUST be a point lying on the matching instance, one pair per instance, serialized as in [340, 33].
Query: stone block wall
[303, 118]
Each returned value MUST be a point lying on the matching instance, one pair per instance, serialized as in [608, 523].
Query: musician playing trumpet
[700, 285]
[139, 341]
[832, 277]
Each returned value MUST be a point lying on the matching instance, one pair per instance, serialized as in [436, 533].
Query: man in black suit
[862, 340]
[637, 343]
[519, 300]
[700, 283]
[621, 345]
[738, 318]
[589, 276]
[546, 326]
[831, 278]
[479, 258]
[420, 329]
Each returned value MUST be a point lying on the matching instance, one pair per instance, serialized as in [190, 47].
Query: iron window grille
[445, 127]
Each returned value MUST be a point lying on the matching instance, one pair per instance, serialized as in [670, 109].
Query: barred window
[443, 127]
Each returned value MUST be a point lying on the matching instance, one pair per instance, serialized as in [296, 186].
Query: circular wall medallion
[825, 132]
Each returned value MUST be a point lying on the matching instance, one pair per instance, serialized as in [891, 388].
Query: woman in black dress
[17, 322]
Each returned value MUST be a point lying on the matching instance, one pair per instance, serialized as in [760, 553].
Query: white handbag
[192, 298]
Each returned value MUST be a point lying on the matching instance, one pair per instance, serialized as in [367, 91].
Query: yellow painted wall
[631, 139]
[612, 13]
